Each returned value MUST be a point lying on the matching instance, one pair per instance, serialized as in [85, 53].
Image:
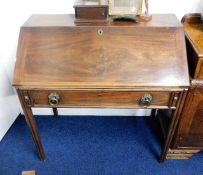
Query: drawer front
[91, 13]
[125, 99]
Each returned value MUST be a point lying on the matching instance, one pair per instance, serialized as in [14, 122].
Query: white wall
[178, 7]
[12, 16]
[9, 106]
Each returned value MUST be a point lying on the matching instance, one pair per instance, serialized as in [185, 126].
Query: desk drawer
[125, 99]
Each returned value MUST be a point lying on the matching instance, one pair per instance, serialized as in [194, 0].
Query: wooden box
[91, 10]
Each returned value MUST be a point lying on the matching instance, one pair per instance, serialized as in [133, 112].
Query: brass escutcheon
[100, 32]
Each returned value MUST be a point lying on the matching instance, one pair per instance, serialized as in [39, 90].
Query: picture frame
[125, 7]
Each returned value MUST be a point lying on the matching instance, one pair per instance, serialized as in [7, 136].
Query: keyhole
[100, 32]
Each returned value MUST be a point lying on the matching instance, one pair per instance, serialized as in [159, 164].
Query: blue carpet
[90, 146]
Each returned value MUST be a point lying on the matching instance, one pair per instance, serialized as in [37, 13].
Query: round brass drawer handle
[53, 99]
[146, 100]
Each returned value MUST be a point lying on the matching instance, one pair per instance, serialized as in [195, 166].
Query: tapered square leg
[32, 125]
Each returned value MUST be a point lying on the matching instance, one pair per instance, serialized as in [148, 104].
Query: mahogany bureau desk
[112, 65]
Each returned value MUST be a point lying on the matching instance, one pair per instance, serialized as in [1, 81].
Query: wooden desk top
[53, 52]
[67, 20]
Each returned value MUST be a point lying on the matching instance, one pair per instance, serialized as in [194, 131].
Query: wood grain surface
[132, 55]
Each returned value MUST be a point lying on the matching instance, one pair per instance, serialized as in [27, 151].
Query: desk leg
[172, 126]
[32, 126]
[55, 111]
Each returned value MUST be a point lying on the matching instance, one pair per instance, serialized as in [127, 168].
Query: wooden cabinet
[189, 134]
[191, 128]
